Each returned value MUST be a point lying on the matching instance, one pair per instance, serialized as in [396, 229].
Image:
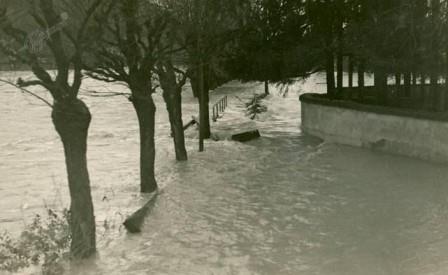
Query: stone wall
[408, 133]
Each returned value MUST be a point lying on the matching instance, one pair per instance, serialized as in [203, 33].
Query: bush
[45, 242]
[255, 107]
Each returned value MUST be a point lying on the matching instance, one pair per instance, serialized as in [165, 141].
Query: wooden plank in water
[134, 223]
[246, 136]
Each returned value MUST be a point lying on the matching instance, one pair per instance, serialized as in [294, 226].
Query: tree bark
[71, 120]
[407, 84]
[445, 90]
[350, 71]
[361, 79]
[398, 80]
[380, 79]
[145, 108]
[329, 66]
[340, 73]
[203, 105]
[330, 74]
[266, 87]
[433, 93]
[435, 68]
[173, 101]
[423, 92]
[340, 56]
[172, 94]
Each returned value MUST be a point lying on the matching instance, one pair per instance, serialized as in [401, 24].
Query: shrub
[255, 107]
[45, 242]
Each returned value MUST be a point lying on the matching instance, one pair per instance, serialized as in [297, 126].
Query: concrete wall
[415, 137]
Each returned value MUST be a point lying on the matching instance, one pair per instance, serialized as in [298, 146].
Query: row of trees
[394, 38]
[134, 42]
[151, 44]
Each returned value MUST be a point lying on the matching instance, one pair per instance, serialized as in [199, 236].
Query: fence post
[218, 107]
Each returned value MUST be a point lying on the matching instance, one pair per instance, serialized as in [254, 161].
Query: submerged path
[290, 204]
[282, 204]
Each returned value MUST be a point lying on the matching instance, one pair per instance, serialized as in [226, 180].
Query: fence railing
[219, 107]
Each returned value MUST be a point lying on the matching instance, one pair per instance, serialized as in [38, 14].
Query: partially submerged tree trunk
[146, 109]
[70, 116]
[71, 120]
[203, 104]
[204, 121]
[172, 94]
[175, 116]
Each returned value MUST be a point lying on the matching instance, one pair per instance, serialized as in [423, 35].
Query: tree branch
[27, 91]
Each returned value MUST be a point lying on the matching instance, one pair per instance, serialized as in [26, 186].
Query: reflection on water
[283, 204]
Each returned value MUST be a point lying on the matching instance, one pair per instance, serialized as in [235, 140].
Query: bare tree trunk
[340, 58]
[380, 78]
[407, 84]
[146, 109]
[266, 87]
[435, 20]
[173, 100]
[172, 94]
[397, 79]
[424, 99]
[433, 94]
[350, 71]
[398, 84]
[197, 93]
[361, 79]
[71, 120]
[329, 66]
[445, 90]
[330, 74]
[340, 73]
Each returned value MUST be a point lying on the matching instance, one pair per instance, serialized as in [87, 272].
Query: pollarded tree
[207, 27]
[127, 52]
[171, 81]
[171, 75]
[66, 45]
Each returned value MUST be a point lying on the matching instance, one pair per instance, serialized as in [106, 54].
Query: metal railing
[219, 107]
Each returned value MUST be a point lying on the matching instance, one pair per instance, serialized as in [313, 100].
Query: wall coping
[322, 99]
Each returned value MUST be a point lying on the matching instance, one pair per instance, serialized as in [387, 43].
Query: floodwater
[286, 203]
